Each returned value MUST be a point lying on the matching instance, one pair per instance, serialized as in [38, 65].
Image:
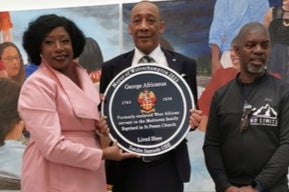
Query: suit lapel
[125, 62]
[85, 100]
[173, 61]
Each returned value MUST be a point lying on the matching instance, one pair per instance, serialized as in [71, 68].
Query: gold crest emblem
[146, 100]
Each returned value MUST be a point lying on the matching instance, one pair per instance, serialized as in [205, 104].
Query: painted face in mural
[146, 26]
[235, 59]
[11, 61]
[57, 49]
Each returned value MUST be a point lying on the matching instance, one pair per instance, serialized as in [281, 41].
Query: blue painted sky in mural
[92, 20]
[187, 25]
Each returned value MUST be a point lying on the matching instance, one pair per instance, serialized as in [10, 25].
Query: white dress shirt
[157, 54]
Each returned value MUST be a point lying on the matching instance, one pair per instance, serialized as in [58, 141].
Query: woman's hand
[115, 153]
[102, 126]
[95, 76]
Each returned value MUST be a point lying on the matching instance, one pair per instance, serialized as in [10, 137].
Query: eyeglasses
[247, 111]
[10, 59]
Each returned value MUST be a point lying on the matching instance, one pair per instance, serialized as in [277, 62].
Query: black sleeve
[211, 148]
[277, 166]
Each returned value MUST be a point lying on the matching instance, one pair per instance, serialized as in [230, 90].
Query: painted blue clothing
[230, 16]
[11, 159]
[29, 69]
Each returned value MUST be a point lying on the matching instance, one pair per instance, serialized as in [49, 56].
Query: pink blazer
[63, 154]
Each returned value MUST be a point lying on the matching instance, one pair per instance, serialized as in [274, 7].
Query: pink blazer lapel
[84, 100]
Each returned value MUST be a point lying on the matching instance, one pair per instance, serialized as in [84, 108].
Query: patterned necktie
[146, 59]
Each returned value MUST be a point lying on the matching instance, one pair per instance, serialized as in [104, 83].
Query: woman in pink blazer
[59, 106]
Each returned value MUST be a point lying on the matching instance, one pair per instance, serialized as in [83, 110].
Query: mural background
[187, 28]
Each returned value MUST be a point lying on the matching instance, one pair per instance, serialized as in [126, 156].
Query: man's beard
[256, 69]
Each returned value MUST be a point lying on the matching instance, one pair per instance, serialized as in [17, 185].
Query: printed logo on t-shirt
[264, 116]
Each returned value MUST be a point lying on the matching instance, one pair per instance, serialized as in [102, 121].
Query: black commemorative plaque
[148, 106]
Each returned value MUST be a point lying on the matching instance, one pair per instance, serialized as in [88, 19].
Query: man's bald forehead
[250, 27]
[146, 3]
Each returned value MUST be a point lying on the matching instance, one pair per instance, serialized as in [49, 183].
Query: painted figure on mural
[5, 27]
[277, 22]
[229, 16]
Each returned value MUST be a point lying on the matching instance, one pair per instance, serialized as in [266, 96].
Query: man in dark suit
[167, 172]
